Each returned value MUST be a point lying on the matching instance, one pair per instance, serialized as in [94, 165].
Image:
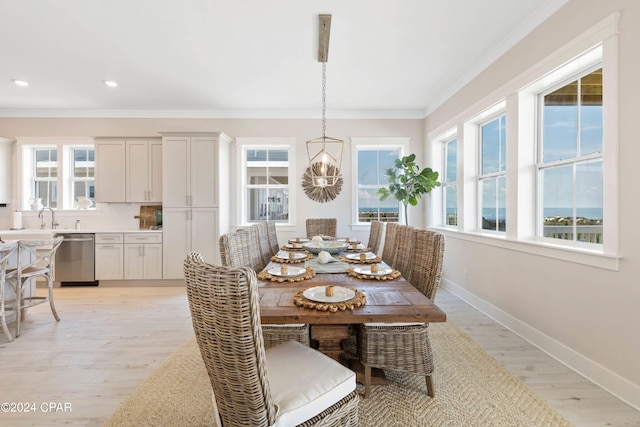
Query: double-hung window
[45, 176]
[570, 160]
[83, 173]
[450, 182]
[492, 173]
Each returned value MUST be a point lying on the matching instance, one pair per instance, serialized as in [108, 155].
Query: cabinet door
[175, 172]
[137, 176]
[155, 171]
[203, 159]
[109, 261]
[152, 261]
[205, 237]
[133, 261]
[110, 171]
[176, 241]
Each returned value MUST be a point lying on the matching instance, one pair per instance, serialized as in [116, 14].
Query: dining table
[392, 300]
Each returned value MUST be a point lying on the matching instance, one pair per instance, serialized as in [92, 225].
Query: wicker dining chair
[273, 237]
[375, 235]
[406, 346]
[405, 249]
[390, 243]
[322, 227]
[235, 251]
[6, 250]
[286, 385]
[263, 243]
[36, 258]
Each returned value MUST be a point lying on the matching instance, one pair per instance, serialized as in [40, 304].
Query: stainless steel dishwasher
[75, 260]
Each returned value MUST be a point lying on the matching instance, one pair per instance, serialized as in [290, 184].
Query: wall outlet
[465, 273]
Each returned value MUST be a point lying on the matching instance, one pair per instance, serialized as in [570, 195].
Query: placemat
[391, 276]
[357, 301]
[264, 275]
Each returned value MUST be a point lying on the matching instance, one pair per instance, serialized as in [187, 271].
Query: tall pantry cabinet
[196, 197]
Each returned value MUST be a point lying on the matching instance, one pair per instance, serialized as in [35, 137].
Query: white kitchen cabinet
[142, 256]
[143, 170]
[6, 167]
[110, 170]
[109, 256]
[196, 197]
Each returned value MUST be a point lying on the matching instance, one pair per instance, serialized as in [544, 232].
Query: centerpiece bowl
[332, 246]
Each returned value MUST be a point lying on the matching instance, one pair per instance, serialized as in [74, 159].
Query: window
[570, 163]
[267, 184]
[492, 176]
[371, 165]
[45, 176]
[82, 178]
[450, 182]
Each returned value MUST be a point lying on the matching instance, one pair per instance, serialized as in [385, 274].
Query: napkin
[316, 239]
[325, 257]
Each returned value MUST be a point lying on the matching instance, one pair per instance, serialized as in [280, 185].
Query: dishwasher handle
[77, 239]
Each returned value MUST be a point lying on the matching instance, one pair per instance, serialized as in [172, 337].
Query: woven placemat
[276, 258]
[357, 301]
[286, 248]
[264, 275]
[393, 275]
[375, 260]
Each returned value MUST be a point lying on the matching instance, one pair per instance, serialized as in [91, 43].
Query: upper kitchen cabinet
[128, 170]
[110, 170]
[195, 166]
[144, 170]
[6, 163]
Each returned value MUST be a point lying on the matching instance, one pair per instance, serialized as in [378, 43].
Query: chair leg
[430, 391]
[19, 296]
[5, 328]
[53, 307]
[367, 381]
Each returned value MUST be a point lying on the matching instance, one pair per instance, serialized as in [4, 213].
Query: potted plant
[407, 183]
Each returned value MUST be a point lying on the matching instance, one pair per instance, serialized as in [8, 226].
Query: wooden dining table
[386, 301]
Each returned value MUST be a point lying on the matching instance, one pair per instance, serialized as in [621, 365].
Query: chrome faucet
[54, 223]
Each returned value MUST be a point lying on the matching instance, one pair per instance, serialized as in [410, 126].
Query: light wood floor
[110, 339]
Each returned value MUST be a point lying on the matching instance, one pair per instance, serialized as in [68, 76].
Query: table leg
[329, 338]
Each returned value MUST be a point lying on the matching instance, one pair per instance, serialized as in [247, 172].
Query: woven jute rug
[472, 389]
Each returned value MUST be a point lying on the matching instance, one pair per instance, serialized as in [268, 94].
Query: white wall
[302, 130]
[587, 317]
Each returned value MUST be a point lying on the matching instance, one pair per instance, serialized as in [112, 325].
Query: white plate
[382, 271]
[301, 240]
[351, 241]
[296, 255]
[369, 255]
[293, 272]
[318, 294]
[290, 245]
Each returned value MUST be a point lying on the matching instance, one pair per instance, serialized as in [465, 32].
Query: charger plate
[361, 273]
[307, 274]
[358, 300]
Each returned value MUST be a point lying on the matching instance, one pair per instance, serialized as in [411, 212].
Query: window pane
[491, 135]
[257, 175]
[371, 208]
[591, 113]
[386, 159]
[502, 203]
[451, 158]
[278, 207]
[560, 127]
[256, 155]
[257, 204]
[278, 155]
[267, 168]
[557, 202]
[589, 202]
[367, 167]
[451, 203]
[489, 193]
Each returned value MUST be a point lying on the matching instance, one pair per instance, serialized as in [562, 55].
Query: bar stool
[36, 258]
[6, 250]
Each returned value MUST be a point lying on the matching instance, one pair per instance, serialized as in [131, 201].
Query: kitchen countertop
[37, 231]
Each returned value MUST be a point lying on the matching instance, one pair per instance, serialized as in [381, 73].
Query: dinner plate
[368, 255]
[296, 255]
[290, 245]
[318, 294]
[293, 271]
[382, 271]
[299, 240]
[351, 241]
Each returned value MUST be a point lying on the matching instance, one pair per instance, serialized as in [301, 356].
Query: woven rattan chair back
[253, 242]
[6, 250]
[390, 242]
[322, 227]
[226, 320]
[263, 241]
[375, 236]
[273, 237]
[426, 271]
[403, 258]
[235, 250]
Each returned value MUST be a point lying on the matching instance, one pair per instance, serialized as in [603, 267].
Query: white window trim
[22, 174]
[437, 208]
[263, 143]
[521, 200]
[373, 143]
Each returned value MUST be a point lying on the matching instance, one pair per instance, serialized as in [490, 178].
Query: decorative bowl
[331, 246]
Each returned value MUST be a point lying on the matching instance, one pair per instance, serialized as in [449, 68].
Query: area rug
[472, 389]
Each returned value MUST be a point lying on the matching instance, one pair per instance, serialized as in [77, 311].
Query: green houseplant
[407, 183]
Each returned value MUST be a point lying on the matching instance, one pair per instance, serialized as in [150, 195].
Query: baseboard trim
[603, 377]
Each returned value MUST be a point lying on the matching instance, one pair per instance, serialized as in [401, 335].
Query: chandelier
[325, 153]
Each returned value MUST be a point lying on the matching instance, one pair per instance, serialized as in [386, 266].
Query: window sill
[557, 252]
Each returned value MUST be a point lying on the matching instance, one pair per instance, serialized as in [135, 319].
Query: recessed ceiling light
[111, 83]
[20, 82]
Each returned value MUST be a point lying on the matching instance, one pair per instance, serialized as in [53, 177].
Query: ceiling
[249, 58]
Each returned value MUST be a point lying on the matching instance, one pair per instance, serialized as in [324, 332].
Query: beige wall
[586, 316]
[302, 130]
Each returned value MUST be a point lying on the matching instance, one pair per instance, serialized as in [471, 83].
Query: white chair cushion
[392, 324]
[305, 382]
